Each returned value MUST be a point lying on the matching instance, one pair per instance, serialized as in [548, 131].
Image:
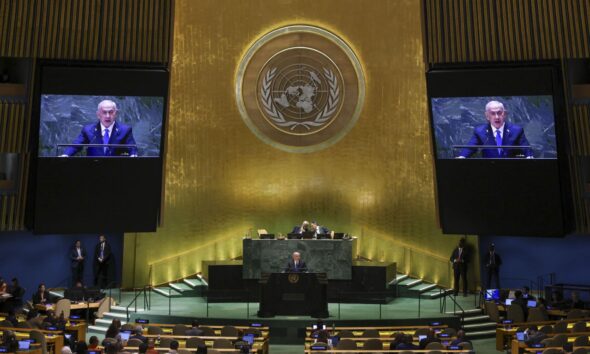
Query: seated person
[305, 226]
[461, 338]
[575, 302]
[398, 337]
[296, 265]
[430, 338]
[34, 320]
[173, 347]
[41, 296]
[17, 293]
[533, 336]
[522, 302]
[318, 229]
[194, 330]
[407, 343]
[81, 347]
[138, 334]
[526, 294]
[93, 343]
[9, 341]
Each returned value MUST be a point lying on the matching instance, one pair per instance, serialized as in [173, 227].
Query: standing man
[493, 262]
[460, 259]
[102, 260]
[296, 265]
[77, 255]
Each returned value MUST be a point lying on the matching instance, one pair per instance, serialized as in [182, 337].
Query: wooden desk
[222, 350]
[82, 305]
[260, 343]
[78, 329]
[384, 351]
[54, 339]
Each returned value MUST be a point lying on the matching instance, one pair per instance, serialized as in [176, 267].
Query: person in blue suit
[106, 131]
[498, 132]
[296, 264]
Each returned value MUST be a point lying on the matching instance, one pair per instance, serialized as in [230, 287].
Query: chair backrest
[435, 352]
[548, 342]
[255, 331]
[184, 351]
[515, 313]
[546, 329]
[580, 327]
[575, 313]
[213, 351]
[346, 344]
[581, 341]
[492, 311]
[6, 323]
[222, 343]
[346, 334]
[559, 340]
[537, 314]
[434, 346]
[24, 324]
[373, 344]
[134, 342]
[207, 331]
[194, 342]
[64, 306]
[39, 337]
[450, 331]
[552, 351]
[371, 333]
[580, 351]
[229, 331]
[560, 327]
[466, 345]
[165, 342]
[406, 352]
[155, 330]
[179, 329]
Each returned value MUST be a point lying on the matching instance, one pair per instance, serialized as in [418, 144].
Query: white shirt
[79, 251]
[103, 128]
[494, 129]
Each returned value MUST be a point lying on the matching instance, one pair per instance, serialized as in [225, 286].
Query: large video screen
[75, 125]
[494, 127]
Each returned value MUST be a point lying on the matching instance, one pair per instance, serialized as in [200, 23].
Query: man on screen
[500, 133]
[106, 131]
[296, 265]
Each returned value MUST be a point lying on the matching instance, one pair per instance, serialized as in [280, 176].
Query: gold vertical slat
[584, 5]
[66, 29]
[3, 25]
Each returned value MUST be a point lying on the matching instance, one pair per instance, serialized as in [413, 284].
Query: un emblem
[300, 88]
[293, 278]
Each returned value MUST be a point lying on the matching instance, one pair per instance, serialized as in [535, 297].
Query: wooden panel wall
[122, 31]
[517, 30]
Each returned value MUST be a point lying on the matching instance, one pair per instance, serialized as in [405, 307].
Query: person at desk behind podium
[41, 296]
[106, 131]
[296, 265]
[77, 256]
[497, 132]
[318, 229]
[305, 227]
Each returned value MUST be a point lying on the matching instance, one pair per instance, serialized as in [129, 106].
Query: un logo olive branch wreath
[277, 116]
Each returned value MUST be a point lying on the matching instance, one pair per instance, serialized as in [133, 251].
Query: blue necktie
[499, 141]
[105, 140]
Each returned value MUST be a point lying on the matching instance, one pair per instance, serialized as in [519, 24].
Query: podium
[293, 294]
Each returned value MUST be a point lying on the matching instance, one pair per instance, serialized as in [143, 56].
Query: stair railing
[455, 305]
[146, 304]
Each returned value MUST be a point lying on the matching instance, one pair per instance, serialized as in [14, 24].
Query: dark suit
[484, 135]
[140, 337]
[492, 263]
[77, 266]
[92, 134]
[37, 298]
[292, 268]
[522, 302]
[102, 269]
[460, 260]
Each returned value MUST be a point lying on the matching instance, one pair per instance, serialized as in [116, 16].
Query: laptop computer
[324, 236]
[308, 235]
[125, 336]
[338, 235]
[267, 236]
[531, 303]
[294, 236]
[24, 345]
[248, 338]
[520, 336]
[509, 302]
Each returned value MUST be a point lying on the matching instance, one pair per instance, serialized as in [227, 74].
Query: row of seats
[536, 314]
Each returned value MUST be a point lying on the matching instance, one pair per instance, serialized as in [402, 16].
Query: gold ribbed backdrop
[516, 30]
[221, 181]
[123, 31]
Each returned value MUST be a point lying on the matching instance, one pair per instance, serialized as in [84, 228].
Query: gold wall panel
[516, 30]
[221, 181]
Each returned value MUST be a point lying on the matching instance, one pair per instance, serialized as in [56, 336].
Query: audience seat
[515, 313]
[466, 345]
[580, 327]
[560, 327]
[229, 331]
[179, 329]
[492, 310]
[559, 340]
[165, 342]
[434, 346]
[155, 330]
[421, 332]
[450, 331]
[546, 329]
[134, 342]
[346, 344]
[222, 343]
[207, 331]
[575, 313]
[346, 334]
[580, 351]
[581, 341]
[194, 342]
[371, 333]
[373, 344]
[537, 314]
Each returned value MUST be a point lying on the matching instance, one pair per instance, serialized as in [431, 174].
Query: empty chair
[207, 331]
[184, 351]
[515, 313]
[547, 342]
[552, 351]
[580, 327]
[346, 334]
[63, 306]
[179, 329]
[6, 323]
[560, 327]
[24, 324]
[537, 314]
[134, 342]
[39, 337]
[155, 330]
[559, 340]
[546, 329]
[466, 345]
[580, 351]
[229, 331]
[222, 343]
[373, 344]
[581, 341]
[492, 311]
[575, 313]
[346, 344]
[255, 331]
[435, 352]
[194, 342]
[434, 346]
[421, 332]
[450, 331]
[371, 333]
[165, 342]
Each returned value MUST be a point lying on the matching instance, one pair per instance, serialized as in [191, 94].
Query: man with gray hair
[498, 132]
[106, 131]
[296, 264]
